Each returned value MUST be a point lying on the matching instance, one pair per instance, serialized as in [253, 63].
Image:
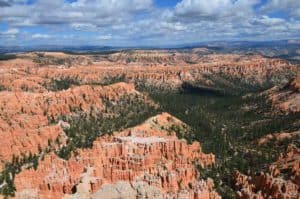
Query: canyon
[112, 125]
[209, 71]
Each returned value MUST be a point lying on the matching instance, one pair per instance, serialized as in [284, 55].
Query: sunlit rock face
[26, 117]
[147, 157]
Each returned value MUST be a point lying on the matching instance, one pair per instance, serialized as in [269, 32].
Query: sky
[145, 22]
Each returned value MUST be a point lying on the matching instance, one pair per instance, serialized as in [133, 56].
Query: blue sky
[145, 22]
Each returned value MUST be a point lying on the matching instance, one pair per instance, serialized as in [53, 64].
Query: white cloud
[41, 36]
[124, 22]
[98, 12]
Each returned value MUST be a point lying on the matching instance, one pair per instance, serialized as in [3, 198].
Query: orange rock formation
[162, 69]
[148, 158]
[147, 153]
[286, 99]
[282, 181]
[25, 117]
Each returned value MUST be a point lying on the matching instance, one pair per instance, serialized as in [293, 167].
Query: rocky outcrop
[282, 181]
[148, 157]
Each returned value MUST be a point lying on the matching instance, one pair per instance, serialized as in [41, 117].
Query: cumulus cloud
[98, 12]
[138, 22]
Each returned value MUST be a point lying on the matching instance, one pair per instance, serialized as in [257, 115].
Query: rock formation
[38, 89]
[147, 157]
[282, 181]
[286, 99]
[29, 121]
[164, 70]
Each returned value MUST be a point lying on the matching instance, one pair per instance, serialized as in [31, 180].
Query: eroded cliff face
[42, 96]
[282, 180]
[148, 155]
[30, 122]
[162, 70]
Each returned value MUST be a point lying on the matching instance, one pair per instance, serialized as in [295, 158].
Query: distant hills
[285, 49]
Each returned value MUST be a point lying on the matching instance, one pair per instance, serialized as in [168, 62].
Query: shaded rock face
[149, 159]
[282, 181]
[26, 118]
